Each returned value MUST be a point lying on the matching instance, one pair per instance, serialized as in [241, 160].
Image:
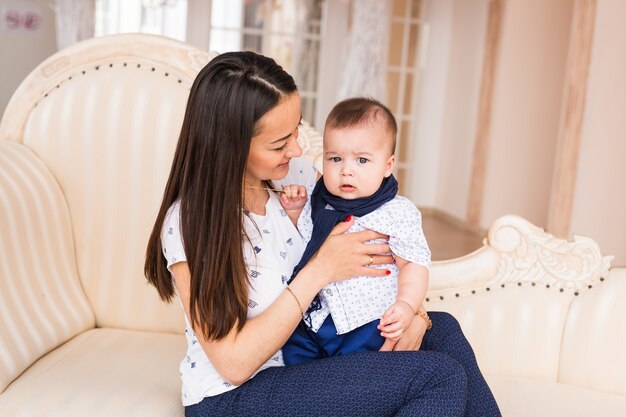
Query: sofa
[86, 144]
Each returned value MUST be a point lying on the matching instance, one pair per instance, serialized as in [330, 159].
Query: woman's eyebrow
[283, 138]
[289, 134]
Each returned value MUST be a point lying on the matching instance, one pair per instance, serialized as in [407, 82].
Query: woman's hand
[345, 255]
[411, 339]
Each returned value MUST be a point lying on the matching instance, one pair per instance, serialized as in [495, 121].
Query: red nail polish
[349, 218]
[387, 272]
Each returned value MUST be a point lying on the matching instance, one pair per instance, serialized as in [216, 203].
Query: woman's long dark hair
[227, 99]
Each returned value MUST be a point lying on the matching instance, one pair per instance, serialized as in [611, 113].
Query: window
[403, 72]
[160, 17]
[291, 32]
[287, 30]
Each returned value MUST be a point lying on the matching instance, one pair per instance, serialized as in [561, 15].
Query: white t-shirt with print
[275, 248]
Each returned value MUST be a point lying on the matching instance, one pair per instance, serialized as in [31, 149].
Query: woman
[239, 134]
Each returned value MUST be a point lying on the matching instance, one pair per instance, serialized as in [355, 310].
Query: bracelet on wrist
[424, 315]
[297, 301]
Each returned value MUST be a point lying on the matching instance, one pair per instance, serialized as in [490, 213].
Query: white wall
[458, 131]
[600, 195]
[425, 145]
[527, 100]
[22, 50]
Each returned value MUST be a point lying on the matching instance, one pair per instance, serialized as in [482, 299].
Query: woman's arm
[238, 355]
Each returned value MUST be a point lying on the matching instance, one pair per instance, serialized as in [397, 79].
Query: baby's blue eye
[363, 160]
[335, 159]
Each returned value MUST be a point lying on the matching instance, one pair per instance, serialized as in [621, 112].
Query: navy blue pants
[368, 384]
[305, 345]
[445, 336]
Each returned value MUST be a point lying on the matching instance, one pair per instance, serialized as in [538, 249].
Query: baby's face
[357, 159]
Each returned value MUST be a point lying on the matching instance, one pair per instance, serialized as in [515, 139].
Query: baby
[359, 144]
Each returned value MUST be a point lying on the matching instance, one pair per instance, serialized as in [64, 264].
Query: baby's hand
[396, 320]
[294, 197]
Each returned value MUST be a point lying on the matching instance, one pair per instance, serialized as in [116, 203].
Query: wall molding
[483, 127]
[573, 109]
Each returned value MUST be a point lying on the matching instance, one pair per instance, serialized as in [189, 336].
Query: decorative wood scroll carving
[518, 253]
[527, 253]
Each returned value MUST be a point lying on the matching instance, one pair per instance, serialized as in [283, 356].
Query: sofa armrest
[42, 303]
[513, 296]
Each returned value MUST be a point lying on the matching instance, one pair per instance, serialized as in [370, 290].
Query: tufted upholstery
[85, 147]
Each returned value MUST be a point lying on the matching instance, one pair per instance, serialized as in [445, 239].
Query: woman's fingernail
[387, 272]
[349, 218]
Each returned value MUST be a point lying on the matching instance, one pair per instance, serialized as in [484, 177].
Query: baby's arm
[412, 287]
[293, 198]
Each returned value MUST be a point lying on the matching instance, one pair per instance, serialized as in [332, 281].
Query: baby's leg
[301, 346]
[366, 338]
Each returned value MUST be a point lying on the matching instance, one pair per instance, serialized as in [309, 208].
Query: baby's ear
[390, 163]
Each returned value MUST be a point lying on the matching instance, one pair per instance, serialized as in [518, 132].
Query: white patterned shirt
[275, 248]
[361, 300]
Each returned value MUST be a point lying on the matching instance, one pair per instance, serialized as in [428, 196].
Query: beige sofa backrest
[593, 353]
[534, 306]
[42, 303]
[104, 117]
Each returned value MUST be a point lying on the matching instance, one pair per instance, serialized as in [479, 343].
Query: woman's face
[275, 144]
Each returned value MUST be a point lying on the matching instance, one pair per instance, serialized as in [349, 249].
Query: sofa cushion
[42, 304]
[102, 372]
[521, 397]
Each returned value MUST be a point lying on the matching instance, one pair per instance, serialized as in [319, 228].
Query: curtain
[366, 58]
[75, 21]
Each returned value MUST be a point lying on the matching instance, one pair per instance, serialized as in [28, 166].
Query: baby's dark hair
[360, 110]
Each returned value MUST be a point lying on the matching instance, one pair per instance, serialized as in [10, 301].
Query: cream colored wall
[599, 209]
[21, 51]
[425, 144]
[458, 132]
[526, 109]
